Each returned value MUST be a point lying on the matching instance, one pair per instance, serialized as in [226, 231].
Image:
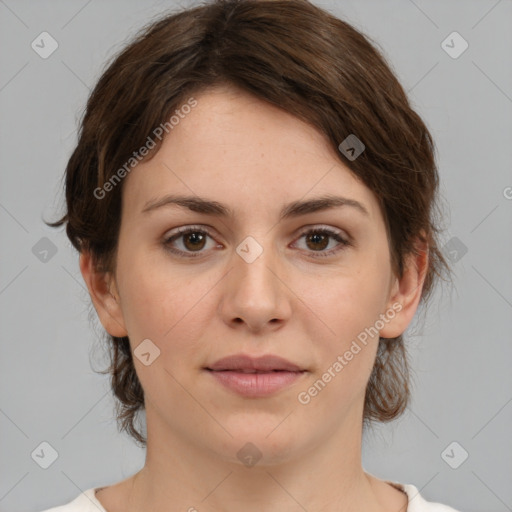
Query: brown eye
[317, 240]
[194, 240]
[190, 241]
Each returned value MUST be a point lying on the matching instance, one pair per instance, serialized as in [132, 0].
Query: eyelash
[192, 229]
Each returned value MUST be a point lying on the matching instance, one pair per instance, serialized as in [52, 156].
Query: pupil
[194, 238]
[318, 238]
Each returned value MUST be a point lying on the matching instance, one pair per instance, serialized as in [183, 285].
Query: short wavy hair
[293, 55]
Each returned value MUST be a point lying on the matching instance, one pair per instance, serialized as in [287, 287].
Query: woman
[254, 201]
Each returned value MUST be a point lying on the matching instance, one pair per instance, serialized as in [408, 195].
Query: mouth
[255, 377]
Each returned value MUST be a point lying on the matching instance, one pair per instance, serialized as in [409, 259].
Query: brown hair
[299, 58]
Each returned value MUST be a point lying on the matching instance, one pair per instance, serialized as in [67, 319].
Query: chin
[258, 442]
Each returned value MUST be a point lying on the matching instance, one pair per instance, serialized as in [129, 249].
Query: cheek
[352, 302]
[345, 358]
[167, 307]
[349, 306]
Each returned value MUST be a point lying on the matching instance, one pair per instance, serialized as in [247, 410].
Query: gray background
[461, 353]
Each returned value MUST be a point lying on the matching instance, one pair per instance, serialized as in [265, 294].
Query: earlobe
[104, 295]
[406, 292]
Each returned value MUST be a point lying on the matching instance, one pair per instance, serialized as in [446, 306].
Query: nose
[256, 296]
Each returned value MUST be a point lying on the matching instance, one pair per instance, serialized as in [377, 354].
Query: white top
[87, 502]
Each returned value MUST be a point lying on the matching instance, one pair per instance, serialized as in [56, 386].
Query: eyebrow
[293, 209]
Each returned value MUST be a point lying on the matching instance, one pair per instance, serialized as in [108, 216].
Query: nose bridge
[254, 293]
[253, 260]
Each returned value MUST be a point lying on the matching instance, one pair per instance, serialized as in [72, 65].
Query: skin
[254, 158]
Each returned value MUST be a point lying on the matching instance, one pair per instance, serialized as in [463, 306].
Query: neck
[180, 475]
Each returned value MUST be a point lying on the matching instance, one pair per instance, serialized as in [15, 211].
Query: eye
[318, 239]
[192, 240]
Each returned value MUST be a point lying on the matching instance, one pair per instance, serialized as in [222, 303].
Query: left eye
[319, 239]
[193, 240]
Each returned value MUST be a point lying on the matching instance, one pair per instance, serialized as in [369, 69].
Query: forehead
[240, 150]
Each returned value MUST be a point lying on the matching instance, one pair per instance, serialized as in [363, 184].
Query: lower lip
[256, 384]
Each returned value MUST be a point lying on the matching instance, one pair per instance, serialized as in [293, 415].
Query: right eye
[192, 240]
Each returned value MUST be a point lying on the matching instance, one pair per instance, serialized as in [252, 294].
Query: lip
[255, 377]
[245, 362]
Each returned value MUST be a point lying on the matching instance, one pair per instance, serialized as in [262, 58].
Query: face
[264, 277]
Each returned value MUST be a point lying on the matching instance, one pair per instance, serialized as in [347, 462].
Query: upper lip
[245, 362]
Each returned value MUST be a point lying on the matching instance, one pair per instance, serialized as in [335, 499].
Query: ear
[405, 292]
[103, 291]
